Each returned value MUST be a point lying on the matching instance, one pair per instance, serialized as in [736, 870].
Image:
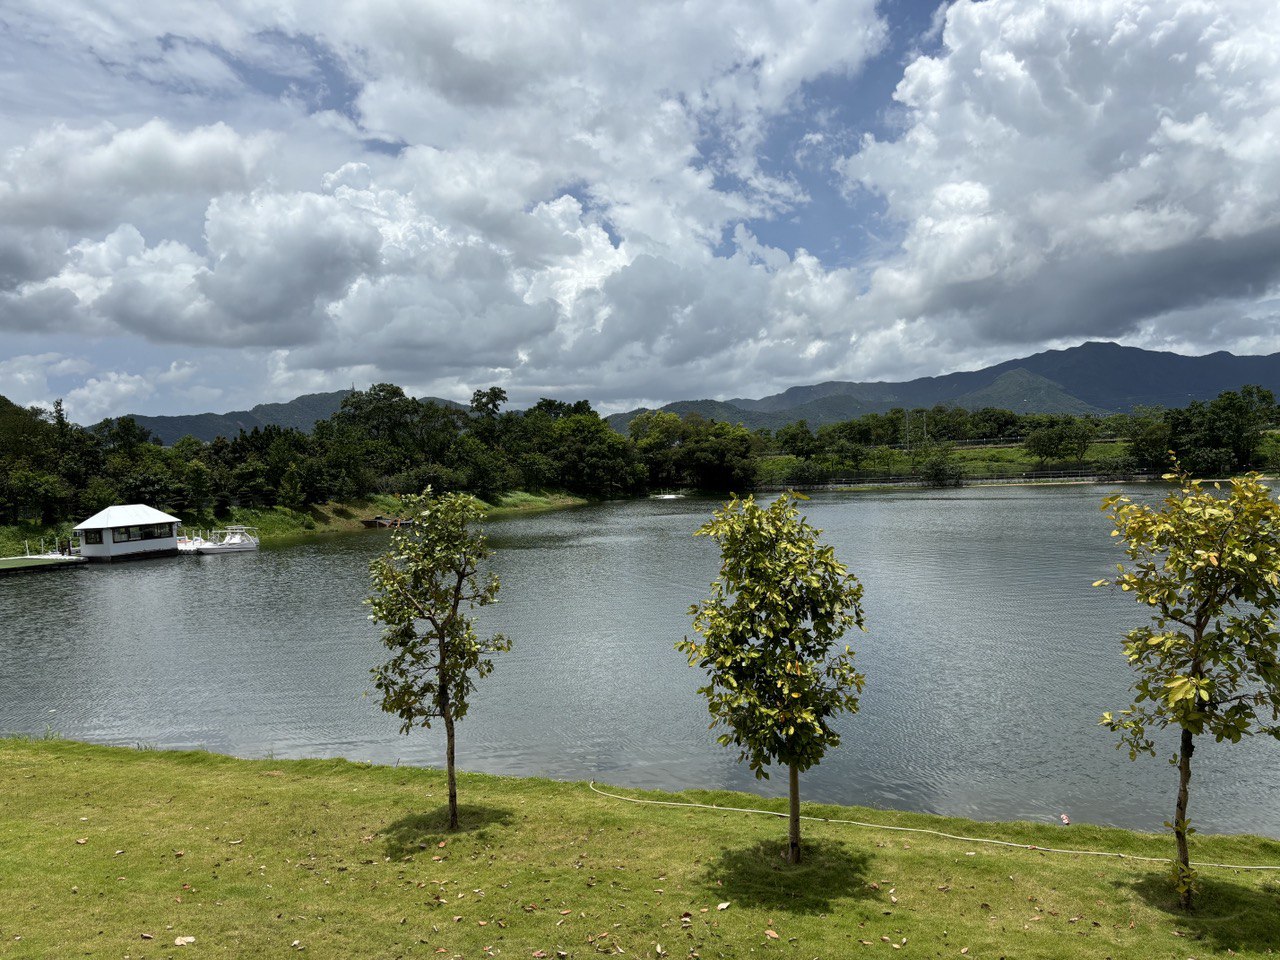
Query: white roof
[133, 515]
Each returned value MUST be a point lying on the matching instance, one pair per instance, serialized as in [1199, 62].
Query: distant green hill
[1022, 391]
[300, 413]
[1097, 378]
[1093, 378]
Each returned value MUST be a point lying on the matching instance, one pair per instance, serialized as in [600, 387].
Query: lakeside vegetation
[382, 444]
[114, 851]
[282, 523]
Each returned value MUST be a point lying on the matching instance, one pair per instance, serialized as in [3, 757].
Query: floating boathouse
[128, 533]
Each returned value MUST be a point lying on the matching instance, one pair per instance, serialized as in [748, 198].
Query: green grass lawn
[520, 502]
[23, 563]
[979, 461]
[118, 853]
[974, 461]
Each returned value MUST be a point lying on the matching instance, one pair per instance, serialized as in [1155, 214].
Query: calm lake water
[988, 658]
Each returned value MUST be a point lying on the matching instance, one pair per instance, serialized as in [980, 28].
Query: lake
[988, 659]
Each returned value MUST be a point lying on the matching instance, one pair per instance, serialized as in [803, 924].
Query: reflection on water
[988, 658]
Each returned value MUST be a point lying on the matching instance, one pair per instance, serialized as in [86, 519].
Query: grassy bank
[117, 852]
[280, 522]
[974, 462]
[15, 539]
[277, 522]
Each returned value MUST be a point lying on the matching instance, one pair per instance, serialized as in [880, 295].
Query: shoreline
[282, 524]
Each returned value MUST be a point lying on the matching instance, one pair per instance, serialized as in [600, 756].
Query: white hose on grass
[935, 833]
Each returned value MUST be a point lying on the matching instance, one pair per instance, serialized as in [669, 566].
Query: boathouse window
[93, 536]
[154, 531]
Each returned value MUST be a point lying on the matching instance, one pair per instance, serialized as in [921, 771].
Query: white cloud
[1072, 169]
[87, 178]
[179, 371]
[580, 200]
[106, 394]
[25, 379]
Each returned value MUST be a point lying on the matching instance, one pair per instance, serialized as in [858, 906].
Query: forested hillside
[381, 441]
[1093, 378]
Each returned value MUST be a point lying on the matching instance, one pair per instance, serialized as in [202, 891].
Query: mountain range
[1097, 378]
[301, 413]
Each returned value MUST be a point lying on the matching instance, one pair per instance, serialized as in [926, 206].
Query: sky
[208, 206]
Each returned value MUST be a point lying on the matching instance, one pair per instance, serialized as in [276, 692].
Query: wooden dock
[381, 521]
[11, 566]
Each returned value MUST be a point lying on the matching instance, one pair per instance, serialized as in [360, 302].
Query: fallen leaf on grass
[723, 906]
[183, 941]
[82, 841]
[772, 935]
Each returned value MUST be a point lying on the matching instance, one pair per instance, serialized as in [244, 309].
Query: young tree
[424, 589]
[1208, 568]
[780, 604]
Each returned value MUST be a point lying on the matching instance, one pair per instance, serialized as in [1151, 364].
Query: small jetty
[41, 563]
[381, 521]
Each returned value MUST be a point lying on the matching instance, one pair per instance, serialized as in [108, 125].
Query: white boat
[227, 540]
[188, 543]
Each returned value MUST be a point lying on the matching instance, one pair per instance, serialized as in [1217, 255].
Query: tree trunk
[793, 848]
[453, 777]
[446, 714]
[1182, 869]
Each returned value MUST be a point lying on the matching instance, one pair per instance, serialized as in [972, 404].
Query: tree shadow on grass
[417, 832]
[760, 876]
[1226, 915]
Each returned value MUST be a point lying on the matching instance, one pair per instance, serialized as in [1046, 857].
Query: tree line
[1221, 437]
[383, 441]
[379, 441]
